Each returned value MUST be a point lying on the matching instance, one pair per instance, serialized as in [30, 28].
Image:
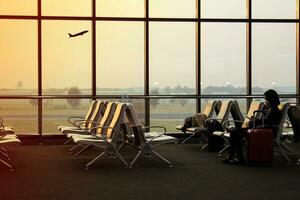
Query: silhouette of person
[271, 117]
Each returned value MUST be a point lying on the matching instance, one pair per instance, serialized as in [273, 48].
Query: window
[173, 8]
[223, 59]
[18, 46]
[66, 7]
[276, 9]
[66, 60]
[120, 8]
[172, 57]
[120, 57]
[223, 9]
[274, 58]
[18, 7]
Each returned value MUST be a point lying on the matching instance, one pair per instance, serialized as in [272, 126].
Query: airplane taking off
[77, 34]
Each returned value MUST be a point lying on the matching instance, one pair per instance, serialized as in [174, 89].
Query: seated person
[270, 115]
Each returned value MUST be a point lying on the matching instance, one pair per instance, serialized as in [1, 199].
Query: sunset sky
[120, 45]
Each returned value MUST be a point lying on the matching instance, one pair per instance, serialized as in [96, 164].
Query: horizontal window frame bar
[140, 96]
[155, 19]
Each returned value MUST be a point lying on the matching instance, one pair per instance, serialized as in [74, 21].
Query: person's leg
[239, 143]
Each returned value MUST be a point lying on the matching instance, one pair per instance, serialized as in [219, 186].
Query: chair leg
[68, 141]
[4, 150]
[187, 139]
[287, 148]
[162, 158]
[7, 164]
[298, 162]
[204, 147]
[135, 158]
[96, 159]
[224, 149]
[82, 150]
[121, 158]
[4, 154]
[75, 147]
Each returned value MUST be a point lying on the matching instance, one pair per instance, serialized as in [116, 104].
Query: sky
[120, 45]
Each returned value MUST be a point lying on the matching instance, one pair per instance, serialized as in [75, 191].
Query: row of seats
[229, 115]
[110, 126]
[7, 137]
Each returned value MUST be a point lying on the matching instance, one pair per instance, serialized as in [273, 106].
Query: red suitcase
[260, 146]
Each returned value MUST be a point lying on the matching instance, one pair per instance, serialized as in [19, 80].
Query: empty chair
[5, 139]
[146, 142]
[106, 137]
[220, 118]
[75, 120]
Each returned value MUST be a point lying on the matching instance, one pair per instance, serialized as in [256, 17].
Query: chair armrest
[2, 131]
[159, 135]
[72, 119]
[226, 123]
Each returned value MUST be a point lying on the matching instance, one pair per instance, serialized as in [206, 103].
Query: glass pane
[67, 7]
[278, 9]
[172, 57]
[223, 58]
[274, 58]
[21, 114]
[121, 8]
[171, 112]
[66, 60]
[173, 8]
[223, 9]
[120, 57]
[18, 57]
[57, 111]
[18, 7]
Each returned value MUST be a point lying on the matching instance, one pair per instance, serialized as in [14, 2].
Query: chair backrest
[236, 114]
[210, 108]
[97, 114]
[224, 111]
[106, 118]
[90, 112]
[283, 107]
[255, 105]
[135, 125]
[116, 121]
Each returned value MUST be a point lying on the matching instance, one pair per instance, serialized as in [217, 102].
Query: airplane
[77, 34]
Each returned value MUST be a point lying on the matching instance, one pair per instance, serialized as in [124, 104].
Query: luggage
[260, 146]
[215, 143]
[294, 117]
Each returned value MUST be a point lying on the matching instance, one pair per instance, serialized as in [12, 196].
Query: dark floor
[49, 172]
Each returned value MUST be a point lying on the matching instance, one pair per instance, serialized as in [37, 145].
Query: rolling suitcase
[260, 146]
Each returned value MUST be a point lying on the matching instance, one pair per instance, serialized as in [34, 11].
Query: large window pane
[223, 9]
[171, 112]
[274, 58]
[173, 8]
[18, 7]
[223, 59]
[120, 57]
[18, 57]
[277, 9]
[121, 8]
[66, 60]
[67, 7]
[172, 57]
[21, 114]
[57, 111]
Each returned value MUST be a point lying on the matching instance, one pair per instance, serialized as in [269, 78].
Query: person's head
[271, 98]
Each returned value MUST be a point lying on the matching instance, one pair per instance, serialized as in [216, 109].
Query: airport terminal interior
[141, 99]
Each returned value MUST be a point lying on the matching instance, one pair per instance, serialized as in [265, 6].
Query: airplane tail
[70, 35]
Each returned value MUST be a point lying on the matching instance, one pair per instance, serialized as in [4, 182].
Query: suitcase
[260, 146]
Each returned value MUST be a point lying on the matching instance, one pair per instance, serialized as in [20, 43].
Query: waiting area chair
[146, 142]
[220, 118]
